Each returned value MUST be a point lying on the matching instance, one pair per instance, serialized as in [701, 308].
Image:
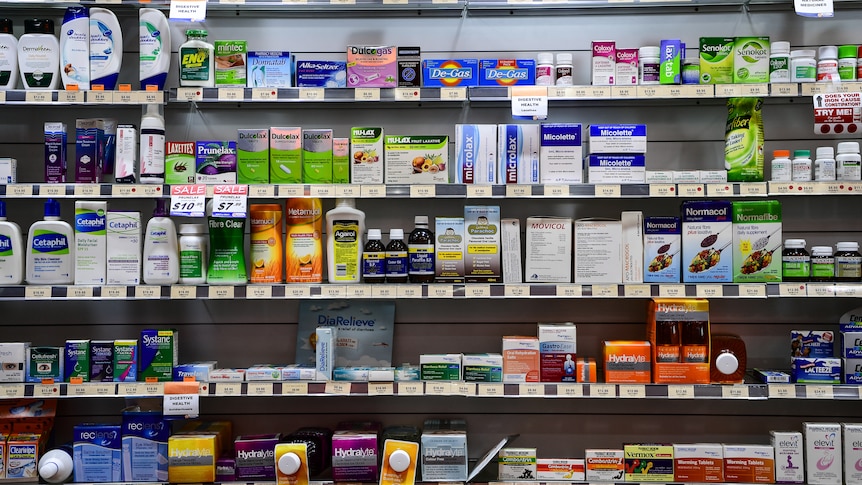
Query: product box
[409, 67]
[197, 371]
[8, 171]
[264, 372]
[321, 74]
[123, 248]
[475, 154]
[351, 374]
[354, 456]
[482, 367]
[101, 361]
[851, 341]
[716, 60]
[449, 249]
[659, 176]
[341, 160]
[22, 455]
[179, 162]
[698, 463]
[648, 462]
[372, 66]
[806, 370]
[285, 155]
[516, 464]
[269, 69]
[13, 358]
[587, 370]
[510, 239]
[662, 246]
[88, 151]
[90, 242]
[749, 464]
[692, 363]
[751, 60]
[823, 453]
[558, 353]
[518, 148]
[520, 359]
[686, 176]
[443, 455]
[626, 67]
[417, 159]
[97, 453]
[603, 66]
[507, 72]
[706, 236]
[598, 251]
[225, 470]
[812, 343]
[633, 246]
[852, 453]
[757, 241]
[125, 360]
[548, 257]
[324, 352]
[145, 446]
[617, 139]
[789, 464]
[670, 58]
[616, 169]
[227, 375]
[560, 469]
[159, 350]
[627, 361]
[317, 156]
[482, 244]
[440, 367]
[852, 371]
[252, 156]
[230, 62]
[76, 360]
[771, 376]
[561, 154]
[255, 456]
[55, 152]
[192, 457]
[296, 372]
[713, 176]
[448, 73]
[45, 363]
[215, 162]
[366, 148]
[604, 465]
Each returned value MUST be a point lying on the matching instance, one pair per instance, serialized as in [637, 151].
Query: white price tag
[820, 289]
[188, 200]
[338, 388]
[753, 188]
[333, 291]
[38, 97]
[477, 291]
[264, 94]
[815, 391]
[734, 392]
[372, 191]
[322, 190]
[438, 388]
[19, 190]
[671, 291]
[782, 391]
[228, 389]
[358, 291]
[258, 292]
[632, 391]
[113, 292]
[637, 291]
[79, 292]
[346, 190]
[491, 389]
[69, 96]
[569, 291]
[230, 94]
[181, 405]
[603, 390]
[52, 190]
[464, 388]
[294, 388]
[556, 191]
[190, 94]
[411, 389]
[407, 94]
[791, 289]
[440, 291]
[366, 94]
[662, 190]
[220, 292]
[423, 191]
[680, 391]
[690, 190]
[752, 291]
[381, 388]
[12, 390]
[87, 190]
[534, 390]
[408, 291]
[710, 291]
[608, 191]
[230, 201]
[383, 291]
[519, 190]
[37, 292]
[259, 389]
[148, 292]
[453, 94]
[570, 390]
[605, 291]
[517, 291]
[188, 10]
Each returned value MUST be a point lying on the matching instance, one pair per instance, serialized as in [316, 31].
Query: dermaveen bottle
[39, 55]
[420, 246]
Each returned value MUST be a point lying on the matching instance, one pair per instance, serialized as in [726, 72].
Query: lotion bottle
[11, 250]
[345, 225]
[161, 253]
[50, 252]
[75, 48]
[56, 465]
[106, 48]
[155, 48]
[39, 55]
[8, 56]
[152, 146]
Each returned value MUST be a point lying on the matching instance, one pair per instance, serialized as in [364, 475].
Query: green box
[317, 156]
[252, 152]
[716, 60]
[757, 241]
[482, 367]
[285, 155]
[44, 363]
[77, 360]
[125, 360]
[231, 57]
[179, 162]
[440, 367]
[751, 60]
[341, 160]
[159, 352]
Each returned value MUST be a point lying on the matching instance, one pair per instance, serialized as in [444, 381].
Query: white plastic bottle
[155, 48]
[801, 166]
[8, 56]
[11, 250]
[827, 63]
[193, 254]
[106, 48]
[39, 55]
[345, 225]
[779, 62]
[848, 162]
[563, 71]
[545, 69]
[824, 164]
[50, 252]
[75, 48]
[152, 146]
[197, 65]
[161, 255]
[56, 466]
[781, 166]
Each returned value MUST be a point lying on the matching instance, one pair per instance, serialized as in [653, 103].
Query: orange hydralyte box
[627, 361]
[672, 358]
[587, 370]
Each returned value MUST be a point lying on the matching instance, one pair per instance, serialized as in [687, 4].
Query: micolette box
[616, 169]
[789, 464]
[604, 465]
[627, 361]
[648, 462]
[372, 66]
[706, 240]
[558, 352]
[565, 469]
[604, 62]
[823, 454]
[255, 456]
[285, 155]
[145, 446]
[662, 249]
[617, 138]
[626, 67]
[448, 73]
[749, 464]
[561, 154]
[520, 359]
[321, 74]
[518, 148]
[475, 154]
[97, 453]
[192, 457]
[507, 72]
[698, 463]
[354, 456]
[55, 152]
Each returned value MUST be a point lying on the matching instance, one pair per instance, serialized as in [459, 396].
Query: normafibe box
[416, 159]
[648, 462]
[757, 241]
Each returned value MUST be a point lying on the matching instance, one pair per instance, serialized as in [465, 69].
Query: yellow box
[191, 458]
[648, 462]
[627, 361]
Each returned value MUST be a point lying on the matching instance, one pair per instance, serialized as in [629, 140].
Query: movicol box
[561, 469]
[812, 343]
[269, 69]
[516, 464]
[449, 73]
[598, 251]
[757, 241]
[215, 162]
[366, 148]
[662, 247]
[354, 456]
[561, 154]
[616, 169]
[125, 360]
[698, 463]
[510, 239]
[626, 67]
[449, 249]
[815, 370]
[617, 139]
[507, 72]
[789, 464]
[252, 156]
[648, 462]
[706, 236]
[90, 242]
[716, 60]
[751, 60]
[518, 149]
[475, 154]
[603, 64]
[22, 456]
[440, 367]
[230, 63]
[192, 457]
[179, 162]
[482, 244]
[372, 66]
[341, 160]
[255, 456]
[852, 453]
[88, 154]
[416, 159]
[124, 248]
[409, 67]
[13, 358]
[633, 246]
[627, 361]
[145, 446]
[159, 350]
[443, 455]
[749, 463]
[558, 353]
[670, 59]
[321, 74]
[482, 367]
[604, 465]
[520, 359]
[285, 155]
[548, 257]
[55, 152]
[97, 453]
[45, 363]
[823, 453]
[317, 156]
[101, 361]
[76, 360]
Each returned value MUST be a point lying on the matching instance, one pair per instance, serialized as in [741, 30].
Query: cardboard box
[561, 155]
[507, 72]
[518, 149]
[88, 151]
[603, 66]
[587, 370]
[670, 58]
[420, 159]
[648, 462]
[812, 343]
[55, 152]
[520, 359]
[372, 66]
[852, 453]
[255, 456]
[823, 453]
[341, 160]
[852, 371]
[706, 238]
[806, 370]
[482, 367]
[633, 246]
[354, 456]
[510, 230]
[45, 363]
[102, 361]
[285, 155]
[317, 156]
[517, 464]
[676, 312]
[443, 455]
[662, 248]
[475, 154]
[449, 73]
[482, 244]
[449, 249]
[560, 469]
[757, 222]
[366, 148]
[409, 67]
[191, 458]
[159, 350]
[13, 358]
[179, 162]
[76, 360]
[716, 60]
[8, 171]
[324, 353]
[558, 353]
[658, 176]
[604, 465]
[598, 251]
[749, 464]
[230, 61]
[90, 242]
[751, 60]
[321, 74]
[215, 162]
[617, 138]
[686, 176]
[252, 152]
[440, 367]
[698, 463]
[124, 248]
[789, 462]
[627, 361]
[548, 256]
[616, 169]
[269, 69]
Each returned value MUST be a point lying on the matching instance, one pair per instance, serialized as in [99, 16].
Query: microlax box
[449, 249]
[662, 246]
[604, 465]
[321, 74]
[716, 60]
[215, 162]
[520, 359]
[45, 364]
[482, 367]
[475, 154]
[416, 159]
[699, 463]
[191, 458]
[706, 237]
[482, 253]
[648, 462]
[516, 464]
[627, 361]
[449, 73]
[159, 351]
[372, 66]
[507, 72]
[757, 241]
[675, 312]
[518, 148]
[255, 456]
[558, 353]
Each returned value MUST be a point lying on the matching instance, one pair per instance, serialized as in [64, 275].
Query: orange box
[749, 464]
[586, 370]
[627, 361]
[678, 311]
[520, 359]
[698, 463]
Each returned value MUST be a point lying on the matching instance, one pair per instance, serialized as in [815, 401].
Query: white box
[633, 246]
[616, 169]
[598, 251]
[549, 250]
[324, 353]
[517, 464]
[659, 176]
[604, 465]
[475, 154]
[13, 357]
[227, 375]
[823, 453]
[518, 152]
[563, 469]
[561, 155]
[125, 160]
[124, 248]
[366, 155]
[713, 176]
[8, 171]
[852, 453]
[510, 234]
[686, 176]
[789, 462]
[90, 242]
[263, 372]
[603, 64]
[444, 456]
[617, 139]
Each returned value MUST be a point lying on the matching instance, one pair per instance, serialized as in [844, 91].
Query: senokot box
[548, 257]
[706, 240]
[716, 60]
[252, 156]
[13, 358]
[648, 462]
[366, 149]
[627, 361]
[520, 359]
[633, 246]
[558, 352]
[518, 149]
[45, 363]
[179, 162]
[616, 169]
[598, 251]
[482, 252]
[482, 367]
[604, 465]
[192, 457]
[449, 249]
[230, 63]
[416, 159]
[618, 139]
[475, 154]
[372, 66]
[76, 362]
[285, 155]
[90, 242]
[756, 241]
[440, 367]
[662, 246]
[269, 69]
[823, 454]
[124, 248]
[159, 350]
[507, 72]
[341, 160]
[670, 59]
[789, 464]
[561, 155]
[317, 156]
[751, 60]
[852, 453]
[516, 463]
[448, 73]
[750, 464]
[321, 74]
[698, 463]
[215, 162]
[563, 469]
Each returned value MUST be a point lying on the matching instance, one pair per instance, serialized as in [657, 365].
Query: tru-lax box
[518, 149]
[366, 149]
[549, 250]
[417, 159]
[558, 352]
[475, 154]
[617, 139]
[561, 155]
[482, 244]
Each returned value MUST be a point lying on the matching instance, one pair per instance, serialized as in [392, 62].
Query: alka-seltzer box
[124, 248]
[255, 456]
[440, 367]
[13, 358]
[756, 241]
[716, 60]
[627, 361]
[269, 69]
[366, 155]
[449, 249]
[698, 463]
[450, 73]
[444, 455]
[561, 154]
[648, 462]
[706, 238]
[101, 361]
[662, 249]
[475, 154]
[285, 155]
[482, 367]
[670, 62]
[341, 160]
[598, 251]
[616, 169]
[626, 67]
[415, 159]
[823, 455]
[321, 74]
[548, 257]
[633, 246]
[604, 465]
[252, 156]
[852, 453]
[317, 156]
[518, 149]
[230, 62]
[617, 139]
[751, 60]
[159, 350]
[558, 352]
[560, 469]
[520, 359]
[482, 263]
[215, 162]
[516, 464]
[750, 463]
[76, 363]
[179, 162]
[98, 453]
[604, 62]
[372, 66]
[409, 67]
[507, 72]
[90, 242]
[354, 456]
[45, 364]
[55, 152]
[789, 464]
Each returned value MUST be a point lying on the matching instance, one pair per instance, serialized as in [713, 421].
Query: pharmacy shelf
[95, 98]
[316, 95]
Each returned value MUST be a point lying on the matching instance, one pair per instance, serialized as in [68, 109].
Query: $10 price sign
[230, 201]
[188, 200]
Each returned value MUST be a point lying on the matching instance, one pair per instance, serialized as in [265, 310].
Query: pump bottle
[56, 465]
[161, 254]
[50, 252]
[11, 250]
[8, 56]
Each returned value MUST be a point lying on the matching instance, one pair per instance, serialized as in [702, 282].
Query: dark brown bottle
[667, 347]
[695, 342]
[396, 257]
[374, 258]
[420, 246]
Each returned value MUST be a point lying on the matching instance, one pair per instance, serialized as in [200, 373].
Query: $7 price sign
[230, 200]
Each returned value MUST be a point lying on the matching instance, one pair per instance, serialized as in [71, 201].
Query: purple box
[255, 456]
[354, 456]
[88, 151]
[225, 469]
[55, 152]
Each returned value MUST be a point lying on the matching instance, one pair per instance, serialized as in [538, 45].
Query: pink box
[626, 67]
[372, 66]
[354, 456]
[604, 62]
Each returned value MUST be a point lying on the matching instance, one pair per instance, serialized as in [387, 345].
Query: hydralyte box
[812, 343]
[852, 453]
[269, 69]
[557, 353]
[604, 465]
[670, 59]
[604, 64]
[449, 73]
[561, 155]
[475, 154]
[444, 455]
[159, 350]
[354, 456]
[101, 361]
[482, 367]
[698, 463]
[662, 246]
[321, 74]
[97, 453]
[616, 169]
[255, 456]
[372, 66]
[507, 72]
[76, 360]
[823, 454]
[55, 152]
[617, 138]
[518, 153]
[215, 162]
[789, 464]
[145, 446]
[626, 67]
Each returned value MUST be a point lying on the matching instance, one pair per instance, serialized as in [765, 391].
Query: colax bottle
[227, 249]
[106, 48]
[75, 48]
[291, 464]
[11, 250]
[345, 225]
[50, 254]
[8, 56]
[161, 255]
[39, 55]
[155, 48]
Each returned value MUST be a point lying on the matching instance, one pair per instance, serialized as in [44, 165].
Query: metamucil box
[677, 311]
[627, 361]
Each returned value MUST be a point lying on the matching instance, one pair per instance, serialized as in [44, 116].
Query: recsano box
[648, 462]
[482, 262]
[419, 159]
[449, 249]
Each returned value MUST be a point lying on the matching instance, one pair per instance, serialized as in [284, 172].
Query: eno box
[507, 72]
[447, 73]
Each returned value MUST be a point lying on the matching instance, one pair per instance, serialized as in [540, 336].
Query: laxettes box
[677, 312]
[627, 361]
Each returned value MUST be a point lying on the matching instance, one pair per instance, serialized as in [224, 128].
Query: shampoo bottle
[39, 55]
[11, 250]
[345, 225]
[106, 48]
[75, 48]
[8, 56]
[50, 252]
[227, 249]
[161, 255]
[56, 465]
[152, 147]
[155, 48]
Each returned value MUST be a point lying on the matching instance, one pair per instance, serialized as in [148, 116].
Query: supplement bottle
[545, 69]
[648, 65]
[396, 257]
[824, 164]
[848, 164]
[779, 62]
[827, 63]
[11, 250]
[694, 342]
[667, 347]
[374, 258]
[420, 248]
[39, 55]
[50, 249]
[822, 264]
[781, 166]
[847, 62]
[345, 225]
[803, 67]
[8, 56]
[563, 70]
[193, 254]
[691, 71]
[227, 249]
[795, 261]
[848, 262]
[801, 166]
[196, 60]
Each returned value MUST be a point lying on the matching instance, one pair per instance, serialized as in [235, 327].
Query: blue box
[199, 370]
[507, 72]
[617, 138]
[616, 169]
[851, 342]
[448, 73]
[321, 74]
[670, 57]
[815, 371]
[269, 69]
[662, 233]
[706, 239]
[852, 371]
[812, 343]
[145, 446]
[97, 453]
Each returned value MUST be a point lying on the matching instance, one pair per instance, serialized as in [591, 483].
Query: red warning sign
[837, 113]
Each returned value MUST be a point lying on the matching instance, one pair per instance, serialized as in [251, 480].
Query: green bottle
[227, 250]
